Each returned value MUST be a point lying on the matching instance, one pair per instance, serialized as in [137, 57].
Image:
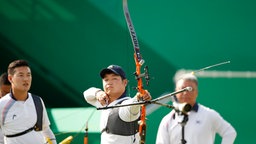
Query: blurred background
[68, 42]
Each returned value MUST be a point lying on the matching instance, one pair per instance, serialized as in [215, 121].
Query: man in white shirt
[5, 87]
[118, 125]
[23, 117]
[202, 125]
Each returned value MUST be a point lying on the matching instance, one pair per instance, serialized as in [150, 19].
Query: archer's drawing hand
[102, 97]
[145, 97]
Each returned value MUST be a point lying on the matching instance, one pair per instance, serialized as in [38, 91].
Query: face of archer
[114, 85]
[21, 79]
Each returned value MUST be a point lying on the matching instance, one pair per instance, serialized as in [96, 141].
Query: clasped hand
[145, 97]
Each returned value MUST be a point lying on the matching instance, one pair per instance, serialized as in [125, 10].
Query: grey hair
[188, 76]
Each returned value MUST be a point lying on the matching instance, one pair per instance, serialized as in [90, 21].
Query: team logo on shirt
[198, 121]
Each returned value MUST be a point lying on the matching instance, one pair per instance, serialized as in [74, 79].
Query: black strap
[21, 133]
[39, 112]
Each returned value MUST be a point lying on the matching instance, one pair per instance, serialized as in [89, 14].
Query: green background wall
[68, 42]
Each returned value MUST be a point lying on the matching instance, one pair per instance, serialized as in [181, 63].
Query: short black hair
[4, 79]
[15, 64]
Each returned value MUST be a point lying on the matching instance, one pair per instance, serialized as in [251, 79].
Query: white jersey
[1, 137]
[200, 128]
[126, 114]
[18, 116]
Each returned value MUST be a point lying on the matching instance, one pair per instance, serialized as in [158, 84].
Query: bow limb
[139, 62]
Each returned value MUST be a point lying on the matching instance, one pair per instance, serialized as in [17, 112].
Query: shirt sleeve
[46, 121]
[224, 129]
[162, 133]
[47, 132]
[129, 113]
[89, 96]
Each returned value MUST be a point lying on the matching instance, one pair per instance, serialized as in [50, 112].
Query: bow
[138, 75]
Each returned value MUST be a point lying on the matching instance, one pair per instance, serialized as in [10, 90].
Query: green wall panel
[68, 42]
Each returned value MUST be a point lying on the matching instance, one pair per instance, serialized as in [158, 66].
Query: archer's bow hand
[143, 97]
